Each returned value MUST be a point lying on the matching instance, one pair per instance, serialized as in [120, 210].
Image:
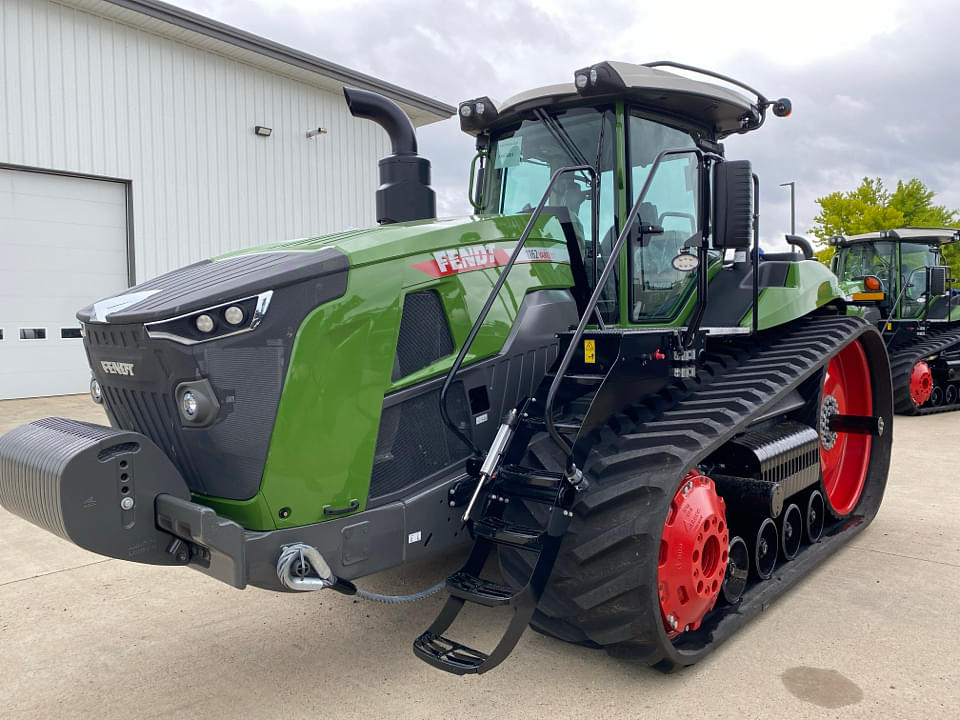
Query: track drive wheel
[921, 383]
[845, 457]
[693, 554]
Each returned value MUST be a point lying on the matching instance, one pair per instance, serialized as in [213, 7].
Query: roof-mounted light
[477, 115]
[599, 78]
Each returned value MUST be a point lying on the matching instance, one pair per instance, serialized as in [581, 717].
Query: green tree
[871, 206]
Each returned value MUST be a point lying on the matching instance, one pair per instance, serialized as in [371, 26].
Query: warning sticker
[477, 257]
[590, 351]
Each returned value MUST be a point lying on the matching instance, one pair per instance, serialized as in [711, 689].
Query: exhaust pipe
[404, 193]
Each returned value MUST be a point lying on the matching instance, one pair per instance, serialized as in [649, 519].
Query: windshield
[869, 258]
[523, 158]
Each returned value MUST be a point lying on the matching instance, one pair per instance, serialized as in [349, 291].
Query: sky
[874, 84]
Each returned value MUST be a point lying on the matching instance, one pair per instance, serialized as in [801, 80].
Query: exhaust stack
[404, 193]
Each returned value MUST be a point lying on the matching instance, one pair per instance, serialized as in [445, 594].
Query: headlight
[96, 392]
[197, 403]
[233, 315]
[213, 323]
[189, 405]
[205, 323]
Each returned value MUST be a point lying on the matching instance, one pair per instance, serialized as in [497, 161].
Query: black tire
[603, 592]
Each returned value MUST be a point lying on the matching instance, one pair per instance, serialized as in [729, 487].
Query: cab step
[467, 585]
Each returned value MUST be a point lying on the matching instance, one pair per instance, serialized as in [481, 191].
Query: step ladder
[490, 530]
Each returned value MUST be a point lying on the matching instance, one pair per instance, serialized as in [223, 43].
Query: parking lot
[873, 633]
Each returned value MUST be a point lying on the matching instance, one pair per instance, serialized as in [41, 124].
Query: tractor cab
[617, 131]
[898, 276]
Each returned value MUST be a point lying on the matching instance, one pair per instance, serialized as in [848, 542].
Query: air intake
[404, 193]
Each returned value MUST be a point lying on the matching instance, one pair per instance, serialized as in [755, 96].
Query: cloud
[872, 82]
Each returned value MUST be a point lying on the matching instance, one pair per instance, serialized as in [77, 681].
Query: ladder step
[581, 378]
[504, 533]
[448, 655]
[479, 590]
[523, 483]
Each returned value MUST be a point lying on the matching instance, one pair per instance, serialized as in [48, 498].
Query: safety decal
[477, 257]
[590, 351]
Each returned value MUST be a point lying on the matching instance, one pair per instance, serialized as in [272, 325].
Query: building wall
[83, 94]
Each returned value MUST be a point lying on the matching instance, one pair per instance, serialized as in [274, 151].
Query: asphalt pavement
[873, 633]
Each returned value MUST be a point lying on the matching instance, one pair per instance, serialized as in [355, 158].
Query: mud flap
[92, 485]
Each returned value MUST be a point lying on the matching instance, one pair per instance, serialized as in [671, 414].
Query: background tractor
[898, 279]
[595, 379]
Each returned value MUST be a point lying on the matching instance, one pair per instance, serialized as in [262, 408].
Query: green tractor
[595, 379]
[898, 280]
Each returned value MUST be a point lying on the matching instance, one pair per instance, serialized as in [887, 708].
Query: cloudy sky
[875, 84]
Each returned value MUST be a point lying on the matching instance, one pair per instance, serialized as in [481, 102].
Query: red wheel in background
[921, 383]
[844, 457]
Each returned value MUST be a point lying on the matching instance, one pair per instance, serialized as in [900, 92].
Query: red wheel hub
[921, 383]
[693, 554]
[844, 457]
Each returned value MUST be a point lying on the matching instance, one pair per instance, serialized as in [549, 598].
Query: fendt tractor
[595, 379]
[898, 279]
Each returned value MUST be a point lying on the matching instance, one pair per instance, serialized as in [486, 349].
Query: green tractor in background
[899, 280]
[596, 378]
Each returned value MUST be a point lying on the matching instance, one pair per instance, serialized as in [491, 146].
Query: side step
[466, 585]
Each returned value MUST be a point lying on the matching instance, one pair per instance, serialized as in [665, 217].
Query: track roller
[814, 517]
[738, 569]
[791, 531]
[950, 394]
[936, 396]
[765, 546]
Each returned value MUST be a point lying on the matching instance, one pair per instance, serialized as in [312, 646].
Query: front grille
[424, 335]
[153, 415]
[225, 459]
[413, 441]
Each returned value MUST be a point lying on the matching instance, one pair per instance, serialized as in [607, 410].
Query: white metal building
[128, 148]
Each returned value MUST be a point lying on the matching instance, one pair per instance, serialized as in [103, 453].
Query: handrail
[455, 368]
[612, 260]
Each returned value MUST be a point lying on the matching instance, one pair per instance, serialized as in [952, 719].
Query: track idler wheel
[936, 397]
[738, 570]
[921, 383]
[814, 517]
[846, 428]
[765, 549]
[693, 554]
[791, 531]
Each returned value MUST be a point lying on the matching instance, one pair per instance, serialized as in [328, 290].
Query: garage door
[62, 245]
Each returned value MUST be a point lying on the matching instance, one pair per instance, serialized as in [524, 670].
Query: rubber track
[599, 593]
[902, 359]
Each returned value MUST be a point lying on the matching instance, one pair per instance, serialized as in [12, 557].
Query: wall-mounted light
[262, 131]
[314, 133]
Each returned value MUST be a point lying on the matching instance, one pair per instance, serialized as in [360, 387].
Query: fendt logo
[117, 368]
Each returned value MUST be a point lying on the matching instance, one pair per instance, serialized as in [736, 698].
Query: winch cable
[297, 560]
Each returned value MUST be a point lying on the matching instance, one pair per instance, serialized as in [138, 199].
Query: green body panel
[808, 286]
[322, 446]
[324, 436]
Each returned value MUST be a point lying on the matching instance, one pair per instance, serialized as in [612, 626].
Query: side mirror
[936, 280]
[733, 205]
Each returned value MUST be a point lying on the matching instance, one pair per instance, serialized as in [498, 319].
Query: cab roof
[720, 110]
[933, 235]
